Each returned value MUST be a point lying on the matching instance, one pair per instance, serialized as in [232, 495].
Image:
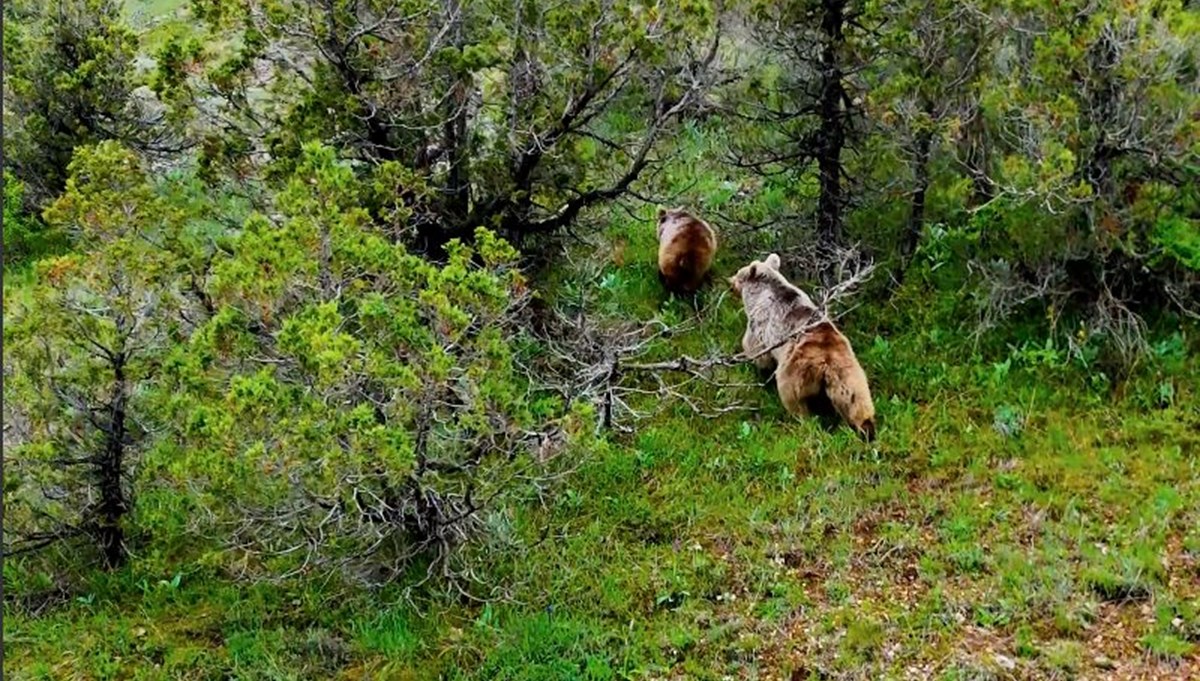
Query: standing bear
[686, 246]
[811, 357]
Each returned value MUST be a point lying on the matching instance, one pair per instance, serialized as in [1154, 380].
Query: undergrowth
[1025, 511]
[1016, 511]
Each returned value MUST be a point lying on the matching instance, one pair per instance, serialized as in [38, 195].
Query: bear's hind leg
[850, 396]
[797, 384]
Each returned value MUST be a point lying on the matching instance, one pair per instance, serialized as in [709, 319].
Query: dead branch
[612, 364]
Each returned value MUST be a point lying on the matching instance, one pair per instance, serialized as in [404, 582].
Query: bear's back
[685, 253]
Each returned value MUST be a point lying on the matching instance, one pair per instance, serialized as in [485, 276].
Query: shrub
[351, 404]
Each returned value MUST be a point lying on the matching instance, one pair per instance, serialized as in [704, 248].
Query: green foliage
[1179, 238]
[1168, 647]
[389, 634]
[347, 385]
[68, 82]
[1077, 107]
[25, 237]
[307, 399]
[84, 348]
[518, 117]
[170, 82]
[1043, 183]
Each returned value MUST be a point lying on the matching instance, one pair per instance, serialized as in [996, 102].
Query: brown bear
[686, 246]
[811, 357]
[751, 346]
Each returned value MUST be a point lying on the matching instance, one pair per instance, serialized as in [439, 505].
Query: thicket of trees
[310, 335]
[325, 398]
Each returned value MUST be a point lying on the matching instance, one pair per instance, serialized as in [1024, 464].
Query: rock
[1103, 662]
[1006, 663]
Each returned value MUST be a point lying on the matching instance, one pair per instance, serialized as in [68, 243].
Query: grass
[156, 21]
[1016, 517]
[751, 545]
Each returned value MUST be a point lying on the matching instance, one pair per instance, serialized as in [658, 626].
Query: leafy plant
[84, 352]
[69, 82]
[25, 237]
[351, 404]
[521, 116]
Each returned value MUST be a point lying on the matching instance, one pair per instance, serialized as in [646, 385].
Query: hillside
[315, 342]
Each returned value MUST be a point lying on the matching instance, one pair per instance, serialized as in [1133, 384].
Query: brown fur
[818, 362]
[784, 296]
[686, 246]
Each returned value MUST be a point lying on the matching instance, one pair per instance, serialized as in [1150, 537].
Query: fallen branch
[598, 361]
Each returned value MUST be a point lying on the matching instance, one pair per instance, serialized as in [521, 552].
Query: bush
[69, 69]
[82, 354]
[25, 237]
[351, 404]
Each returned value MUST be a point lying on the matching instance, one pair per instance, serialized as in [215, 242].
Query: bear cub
[686, 246]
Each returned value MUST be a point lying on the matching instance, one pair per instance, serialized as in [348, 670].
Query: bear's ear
[773, 261]
[662, 213]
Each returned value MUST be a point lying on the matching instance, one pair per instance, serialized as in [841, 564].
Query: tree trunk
[916, 215]
[973, 155]
[833, 132]
[1099, 98]
[342, 49]
[379, 138]
[454, 130]
[113, 505]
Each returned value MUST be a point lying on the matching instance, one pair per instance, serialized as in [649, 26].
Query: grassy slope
[757, 546]
[752, 545]
[158, 20]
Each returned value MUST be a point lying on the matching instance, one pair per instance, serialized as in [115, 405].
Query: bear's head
[755, 271]
[667, 216]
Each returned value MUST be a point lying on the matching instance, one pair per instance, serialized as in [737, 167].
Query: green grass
[1017, 516]
[745, 545]
[158, 20]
